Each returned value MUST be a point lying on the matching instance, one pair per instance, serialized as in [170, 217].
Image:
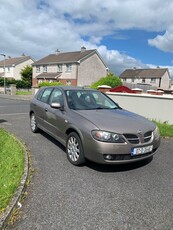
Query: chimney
[83, 49]
[57, 52]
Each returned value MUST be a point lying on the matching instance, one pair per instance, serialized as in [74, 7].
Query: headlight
[107, 136]
[156, 133]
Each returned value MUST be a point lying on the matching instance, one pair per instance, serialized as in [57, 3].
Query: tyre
[33, 123]
[74, 149]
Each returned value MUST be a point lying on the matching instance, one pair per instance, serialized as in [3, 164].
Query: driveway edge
[14, 201]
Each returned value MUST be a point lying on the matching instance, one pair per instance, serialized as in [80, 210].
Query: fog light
[108, 157]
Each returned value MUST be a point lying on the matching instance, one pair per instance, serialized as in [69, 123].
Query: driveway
[93, 197]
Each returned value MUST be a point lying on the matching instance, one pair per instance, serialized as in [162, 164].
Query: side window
[57, 97]
[45, 96]
[39, 94]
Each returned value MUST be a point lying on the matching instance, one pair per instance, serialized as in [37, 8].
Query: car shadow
[53, 140]
[118, 167]
[102, 167]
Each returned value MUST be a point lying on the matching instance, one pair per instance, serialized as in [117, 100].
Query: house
[78, 68]
[13, 66]
[158, 78]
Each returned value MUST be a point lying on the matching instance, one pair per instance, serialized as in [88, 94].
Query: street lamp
[4, 71]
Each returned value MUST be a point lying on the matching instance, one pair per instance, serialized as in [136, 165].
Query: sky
[126, 33]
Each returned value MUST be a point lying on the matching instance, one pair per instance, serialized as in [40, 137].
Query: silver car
[92, 126]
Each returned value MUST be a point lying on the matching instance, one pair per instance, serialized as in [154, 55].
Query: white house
[13, 66]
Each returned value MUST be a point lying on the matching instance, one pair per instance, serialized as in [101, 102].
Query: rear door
[40, 106]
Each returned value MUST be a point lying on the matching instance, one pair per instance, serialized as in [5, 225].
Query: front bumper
[111, 153]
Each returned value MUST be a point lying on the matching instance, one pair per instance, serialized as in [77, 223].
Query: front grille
[147, 136]
[132, 138]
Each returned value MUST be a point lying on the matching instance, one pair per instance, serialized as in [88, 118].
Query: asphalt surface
[93, 197]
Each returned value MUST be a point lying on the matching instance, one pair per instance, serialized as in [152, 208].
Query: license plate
[141, 150]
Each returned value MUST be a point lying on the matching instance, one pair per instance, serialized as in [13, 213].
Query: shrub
[19, 83]
[49, 84]
[110, 80]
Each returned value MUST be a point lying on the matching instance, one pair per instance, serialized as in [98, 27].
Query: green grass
[166, 130]
[11, 167]
[23, 93]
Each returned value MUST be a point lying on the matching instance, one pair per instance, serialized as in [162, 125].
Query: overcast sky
[127, 33]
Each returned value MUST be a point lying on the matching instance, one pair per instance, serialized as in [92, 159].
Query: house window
[143, 80]
[37, 69]
[153, 80]
[124, 79]
[133, 80]
[44, 68]
[40, 81]
[68, 67]
[59, 67]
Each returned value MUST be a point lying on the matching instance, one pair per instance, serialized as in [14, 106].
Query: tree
[26, 73]
[110, 80]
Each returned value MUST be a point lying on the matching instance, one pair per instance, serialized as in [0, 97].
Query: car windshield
[88, 99]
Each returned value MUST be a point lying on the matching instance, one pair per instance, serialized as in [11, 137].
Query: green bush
[20, 84]
[49, 84]
[7, 82]
[110, 80]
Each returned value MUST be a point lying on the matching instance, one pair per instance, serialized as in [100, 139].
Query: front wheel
[74, 149]
[33, 123]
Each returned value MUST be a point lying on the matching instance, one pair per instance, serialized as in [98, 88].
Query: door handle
[45, 110]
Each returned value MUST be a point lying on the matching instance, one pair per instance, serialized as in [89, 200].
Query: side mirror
[56, 105]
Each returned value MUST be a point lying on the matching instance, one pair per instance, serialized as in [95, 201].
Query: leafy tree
[110, 80]
[26, 73]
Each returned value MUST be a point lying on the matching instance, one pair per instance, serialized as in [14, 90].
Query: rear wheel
[33, 123]
[74, 149]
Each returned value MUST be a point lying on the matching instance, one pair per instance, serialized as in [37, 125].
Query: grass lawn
[11, 167]
[166, 130]
[23, 93]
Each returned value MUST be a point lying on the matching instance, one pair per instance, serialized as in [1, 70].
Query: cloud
[163, 42]
[39, 27]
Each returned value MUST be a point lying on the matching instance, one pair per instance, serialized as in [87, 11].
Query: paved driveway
[93, 197]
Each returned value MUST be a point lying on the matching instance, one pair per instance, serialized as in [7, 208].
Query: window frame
[44, 68]
[69, 67]
[37, 68]
[59, 67]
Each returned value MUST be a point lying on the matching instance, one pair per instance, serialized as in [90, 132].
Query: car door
[40, 106]
[55, 118]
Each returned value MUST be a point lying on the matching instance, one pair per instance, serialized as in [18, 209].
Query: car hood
[117, 120]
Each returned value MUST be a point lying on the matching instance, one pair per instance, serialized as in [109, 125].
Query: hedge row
[19, 83]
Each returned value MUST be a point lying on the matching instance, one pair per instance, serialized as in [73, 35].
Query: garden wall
[155, 107]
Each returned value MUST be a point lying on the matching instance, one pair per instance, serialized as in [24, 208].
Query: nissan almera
[92, 126]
